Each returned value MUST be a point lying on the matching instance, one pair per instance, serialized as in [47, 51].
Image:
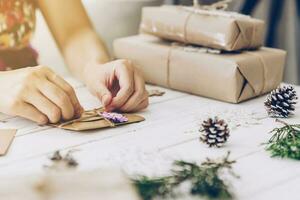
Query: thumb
[104, 95]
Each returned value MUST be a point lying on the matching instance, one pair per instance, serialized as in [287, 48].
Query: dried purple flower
[114, 117]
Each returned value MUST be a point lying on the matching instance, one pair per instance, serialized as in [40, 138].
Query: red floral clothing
[17, 24]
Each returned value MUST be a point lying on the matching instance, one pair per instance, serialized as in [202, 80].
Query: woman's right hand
[38, 94]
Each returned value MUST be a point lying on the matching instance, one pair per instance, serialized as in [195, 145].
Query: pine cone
[280, 103]
[56, 156]
[215, 132]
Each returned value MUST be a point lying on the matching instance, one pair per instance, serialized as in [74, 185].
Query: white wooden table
[170, 132]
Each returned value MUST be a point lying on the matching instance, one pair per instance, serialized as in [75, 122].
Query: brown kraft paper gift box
[230, 77]
[211, 28]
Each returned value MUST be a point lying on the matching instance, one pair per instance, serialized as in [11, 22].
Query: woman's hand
[118, 85]
[38, 94]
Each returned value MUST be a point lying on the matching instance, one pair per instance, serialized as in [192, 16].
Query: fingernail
[79, 111]
[105, 100]
[109, 108]
[44, 122]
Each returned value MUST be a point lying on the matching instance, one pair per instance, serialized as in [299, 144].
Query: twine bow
[221, 5]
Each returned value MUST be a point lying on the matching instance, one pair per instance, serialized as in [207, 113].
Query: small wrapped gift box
[230, 77]
[210, 28]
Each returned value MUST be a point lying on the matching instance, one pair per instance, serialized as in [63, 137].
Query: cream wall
[111, 18]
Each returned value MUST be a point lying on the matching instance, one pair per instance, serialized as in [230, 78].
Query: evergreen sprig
[285, 141]
[204, 180]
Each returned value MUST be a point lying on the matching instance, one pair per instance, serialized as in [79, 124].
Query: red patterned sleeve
[17, 23]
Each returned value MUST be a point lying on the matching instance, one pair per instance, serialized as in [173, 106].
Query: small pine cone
[215, 132]
[280, 103]
[56, 156]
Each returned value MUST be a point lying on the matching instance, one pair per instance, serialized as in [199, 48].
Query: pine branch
[204, 179]
[285, 141]
[152, 187]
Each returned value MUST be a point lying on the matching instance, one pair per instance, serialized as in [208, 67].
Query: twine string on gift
[213, 12]
[168, 66]
[220, 5]
[88, 115]
[254, 33]
[107, 120]
[195, 3]
[186, 21]
[197, 49]
[111, 118]
[185, 48]
[73, 121]
[216, 9]
[263, 67]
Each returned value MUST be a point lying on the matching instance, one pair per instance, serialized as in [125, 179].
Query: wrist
[88, 71]
[90, 67]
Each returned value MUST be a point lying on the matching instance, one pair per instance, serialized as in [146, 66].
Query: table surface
[169, 132]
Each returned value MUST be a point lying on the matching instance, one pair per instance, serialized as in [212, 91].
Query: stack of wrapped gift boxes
[211, 53]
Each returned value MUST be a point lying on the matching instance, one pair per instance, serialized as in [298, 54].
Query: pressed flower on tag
[114, 117]
[98, 119]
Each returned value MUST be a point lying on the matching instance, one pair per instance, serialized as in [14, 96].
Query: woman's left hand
[118, 85]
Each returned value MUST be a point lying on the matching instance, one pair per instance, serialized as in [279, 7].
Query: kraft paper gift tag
[92, 119]
[6, 138]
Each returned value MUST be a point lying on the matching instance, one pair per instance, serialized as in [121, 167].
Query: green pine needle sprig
[204, 179]
[285, 141]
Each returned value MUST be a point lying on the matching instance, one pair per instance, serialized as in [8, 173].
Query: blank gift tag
[6, 138]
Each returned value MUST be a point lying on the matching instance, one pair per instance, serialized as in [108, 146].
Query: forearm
[83, 48]
[74, 34]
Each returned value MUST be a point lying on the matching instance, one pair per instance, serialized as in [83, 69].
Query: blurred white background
[111, 18]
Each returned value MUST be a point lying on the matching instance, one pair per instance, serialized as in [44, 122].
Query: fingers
[45, 106]
[30, 112]
[138, 96]
[104, 95]
[125, 75]
[41, 96]
[68, 89]
[59, 98]
[144, 104]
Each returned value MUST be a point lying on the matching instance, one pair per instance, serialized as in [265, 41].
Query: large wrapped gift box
[216, 29]
[230, 77]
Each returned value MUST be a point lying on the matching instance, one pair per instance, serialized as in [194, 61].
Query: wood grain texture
[169, 132]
